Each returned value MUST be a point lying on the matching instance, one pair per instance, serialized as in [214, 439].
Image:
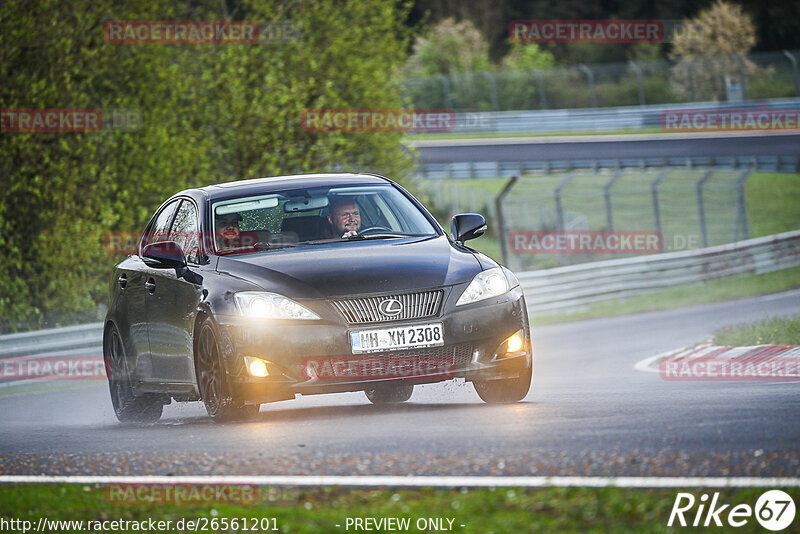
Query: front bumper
[472, 335]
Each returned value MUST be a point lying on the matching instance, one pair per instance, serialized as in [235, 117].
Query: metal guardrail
[569, 288]
[55, 341]
[551, 290]
[507, 169]
[598, 120]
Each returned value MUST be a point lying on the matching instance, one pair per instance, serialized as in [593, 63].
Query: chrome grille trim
[365, 310]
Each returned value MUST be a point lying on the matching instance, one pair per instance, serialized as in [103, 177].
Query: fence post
[741, 215]
[739, 62]
[794, 72]
[641, 82]
[656, 210]
[542, 93]
[590, 77]
[690, 79]
[493, 89]
[498, 208]
[701, 207]
[557, 193]
[607, 197]
[446, 90]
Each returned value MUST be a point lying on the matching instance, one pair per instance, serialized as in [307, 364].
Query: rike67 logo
[774, 510]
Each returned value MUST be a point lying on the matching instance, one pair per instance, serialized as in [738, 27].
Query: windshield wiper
[385, 235]
[270, 246]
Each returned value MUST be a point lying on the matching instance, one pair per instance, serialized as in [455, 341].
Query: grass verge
[322, 509]
[772, 202]
[690, 295]
[775, 331]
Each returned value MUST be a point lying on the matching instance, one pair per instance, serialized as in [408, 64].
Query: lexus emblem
[390, 307]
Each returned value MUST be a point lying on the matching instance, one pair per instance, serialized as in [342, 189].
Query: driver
[228, 235]
[345, 217]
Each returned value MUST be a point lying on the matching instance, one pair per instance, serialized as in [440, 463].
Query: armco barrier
[598, 120]
[565, 289]
[55, 341]
[561, 289]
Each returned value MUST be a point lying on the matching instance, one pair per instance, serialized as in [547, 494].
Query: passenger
[228, 235]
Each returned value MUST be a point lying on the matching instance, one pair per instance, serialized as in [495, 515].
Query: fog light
[515, 343]
[256, 366]
[511, 345]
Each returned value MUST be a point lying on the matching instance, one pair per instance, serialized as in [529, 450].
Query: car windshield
[308, 216]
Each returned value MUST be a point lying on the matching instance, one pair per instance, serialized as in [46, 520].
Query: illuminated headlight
[263, 305]
[256, 366]
[486, 284]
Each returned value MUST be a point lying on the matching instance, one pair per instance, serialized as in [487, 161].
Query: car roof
[277, 183]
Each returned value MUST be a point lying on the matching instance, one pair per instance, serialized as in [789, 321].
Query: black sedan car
[254, 291]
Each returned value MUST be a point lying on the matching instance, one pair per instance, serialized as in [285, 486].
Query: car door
[172, 303]
[131, 314]
[131, 282]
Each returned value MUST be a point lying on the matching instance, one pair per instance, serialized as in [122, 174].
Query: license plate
[403, 337]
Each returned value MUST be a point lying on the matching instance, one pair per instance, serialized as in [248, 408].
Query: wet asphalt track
[588, 413]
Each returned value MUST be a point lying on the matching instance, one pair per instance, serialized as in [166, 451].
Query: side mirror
[467, 226]
[164, 255]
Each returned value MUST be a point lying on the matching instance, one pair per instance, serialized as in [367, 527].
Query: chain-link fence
[678, 209]
[720, 78]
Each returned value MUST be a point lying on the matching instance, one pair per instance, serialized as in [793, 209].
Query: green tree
[209, 113]
[449, 47]
[524, 56]
[713, 44]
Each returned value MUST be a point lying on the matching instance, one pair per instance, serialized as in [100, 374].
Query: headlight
[486, 284]
[265, 305]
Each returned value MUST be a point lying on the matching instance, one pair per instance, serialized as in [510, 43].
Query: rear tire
[390, 394]
[128, 407]
[212, 380]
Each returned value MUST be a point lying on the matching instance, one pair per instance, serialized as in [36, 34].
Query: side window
[186, 231]
[159, 228]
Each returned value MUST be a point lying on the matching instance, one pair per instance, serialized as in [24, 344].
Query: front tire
[128, 408]
[212, 380]
[390, 394]
[505, 390]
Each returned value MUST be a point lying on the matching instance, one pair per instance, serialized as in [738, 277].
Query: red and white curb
[707, 361]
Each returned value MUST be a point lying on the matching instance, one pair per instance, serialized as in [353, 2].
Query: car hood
[356, 267]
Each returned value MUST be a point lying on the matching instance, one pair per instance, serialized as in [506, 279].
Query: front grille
[365, 310]
[461, 354]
